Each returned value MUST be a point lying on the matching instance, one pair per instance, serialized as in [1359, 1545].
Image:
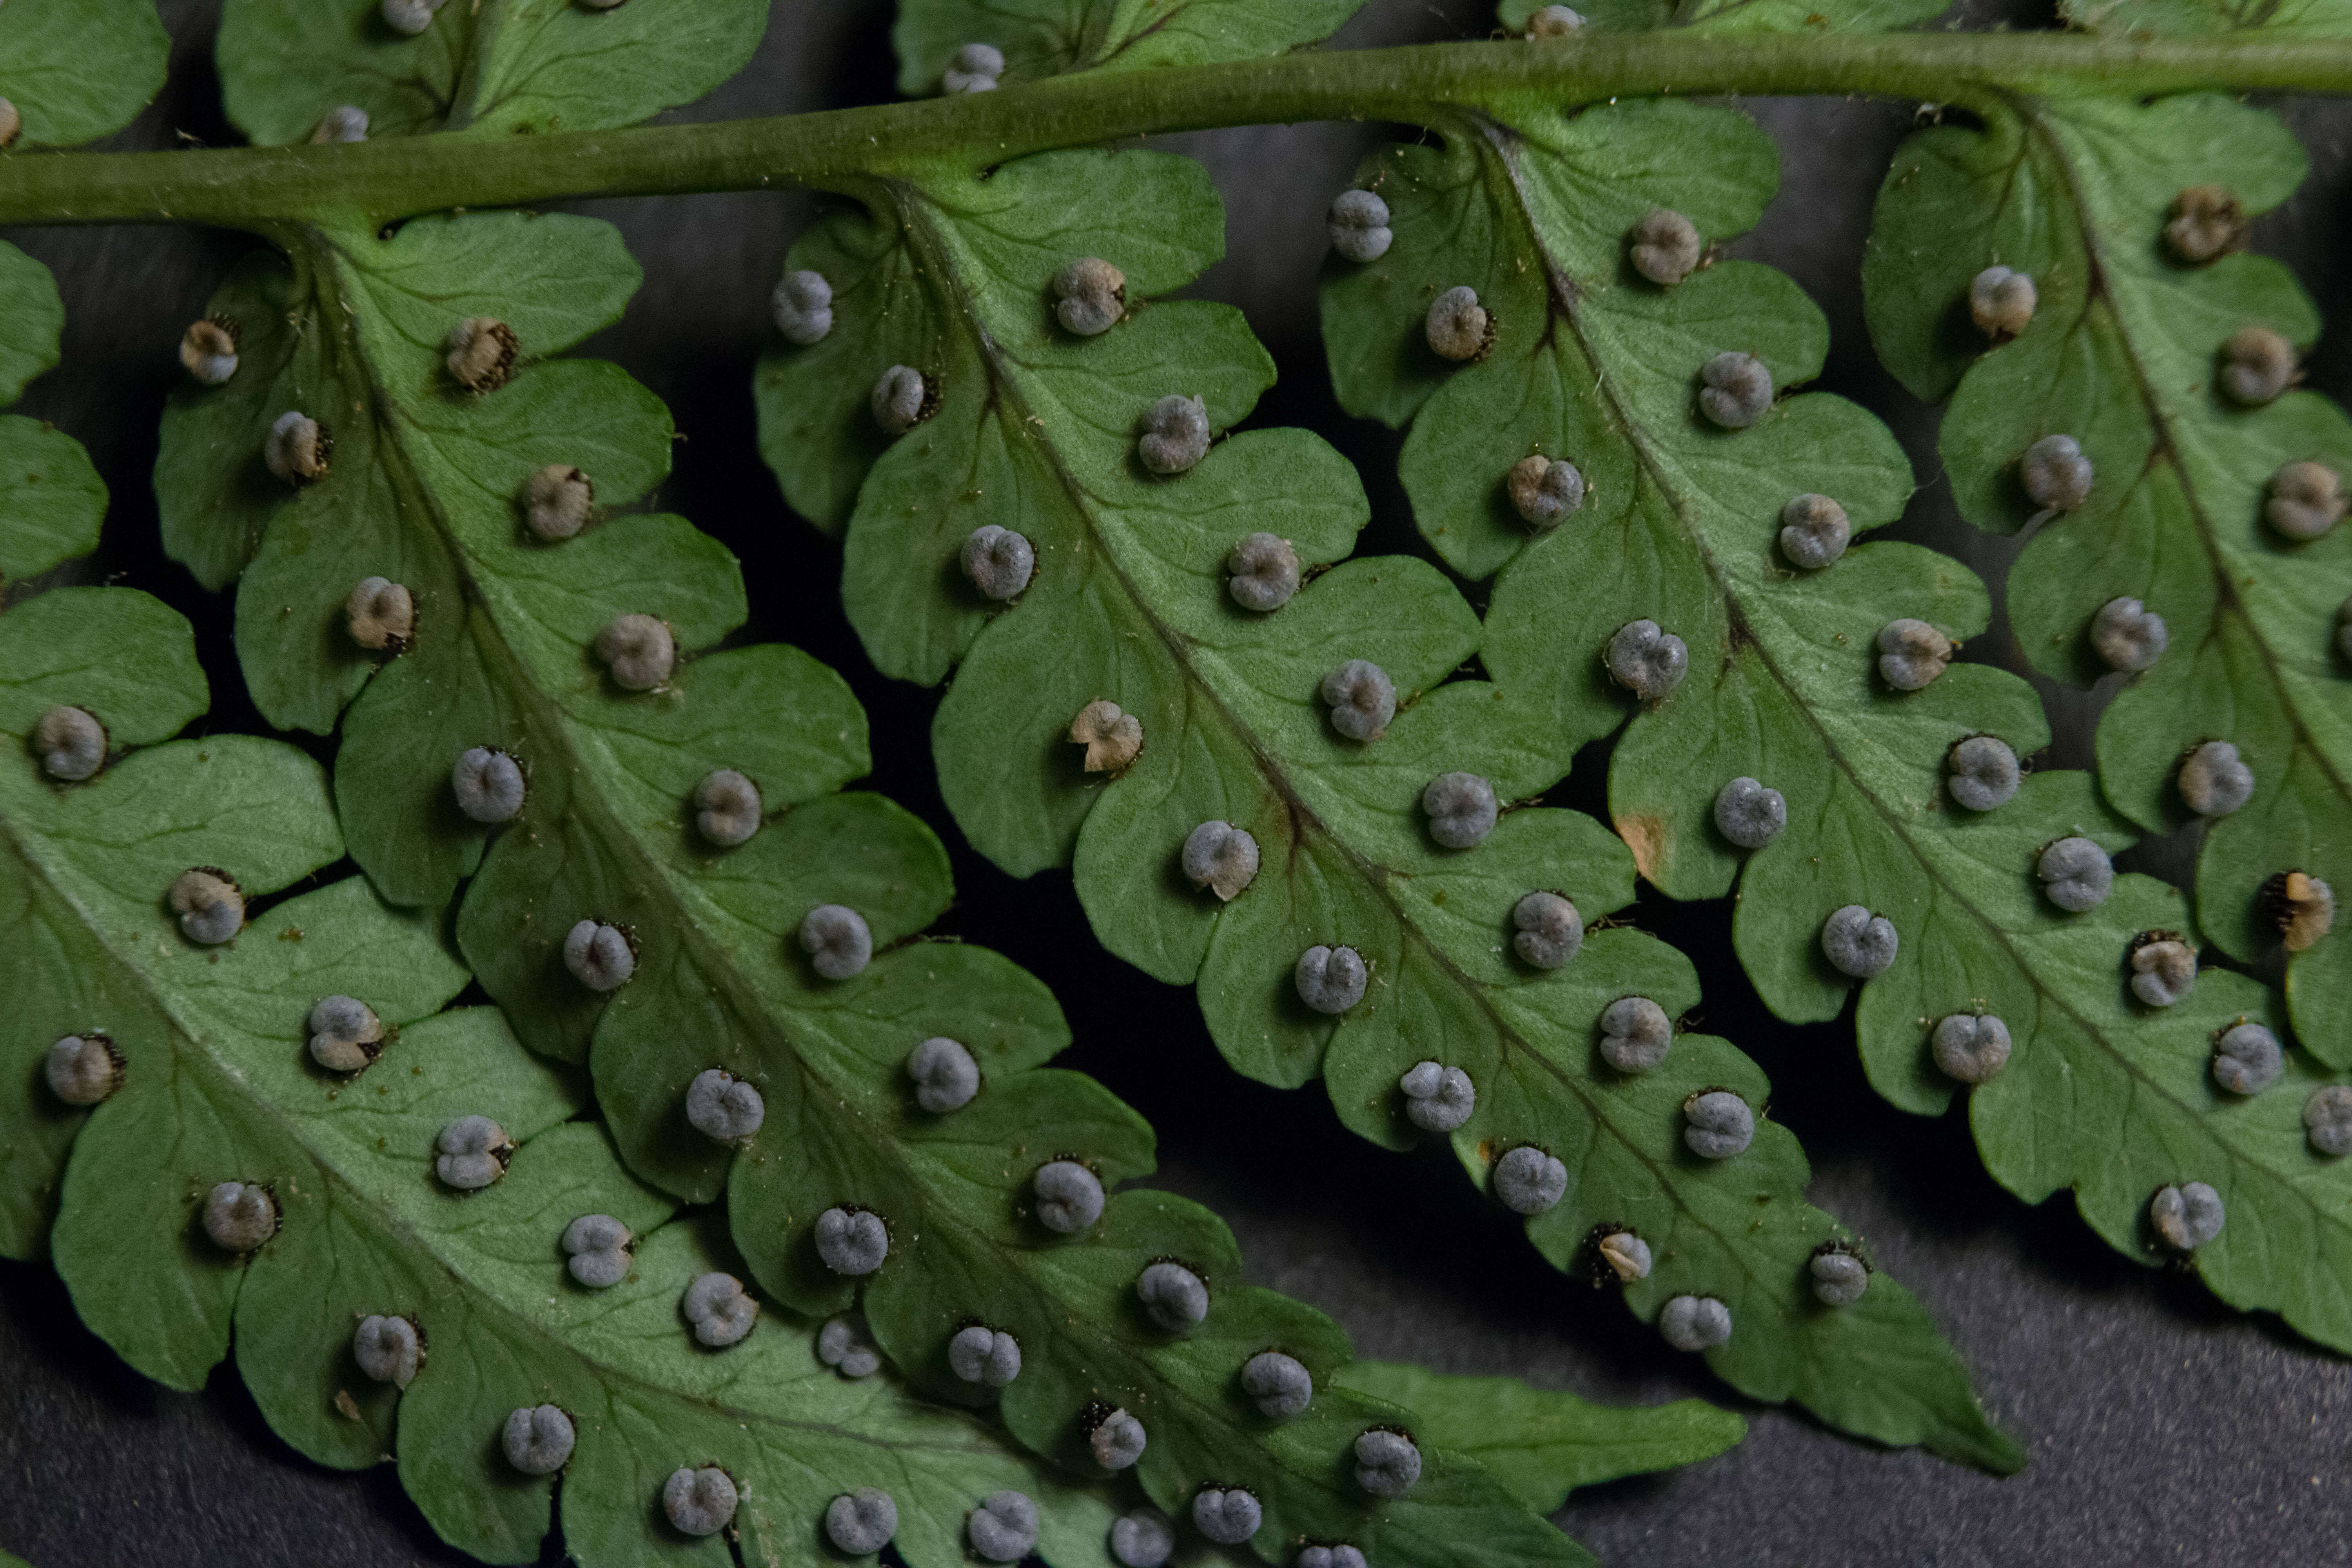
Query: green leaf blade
[502, 658]
[1129, 603]
[1742, 17]
[1679, 527]
[218, 1083]
[1543, 1444]
[128, 659]
[1047, 37]
[2121, 355]
[79, 69]
[50, 495]
[144, 1276]
[32, 316]
[2191, 18]
[506, 66]
[1462, 219]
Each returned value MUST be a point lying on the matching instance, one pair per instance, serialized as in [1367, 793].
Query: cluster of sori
[2255, 365]
[1317, 752]
[1262, 570]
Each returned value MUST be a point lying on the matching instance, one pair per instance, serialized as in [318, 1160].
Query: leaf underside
[1809, 16]
[79, 69]
[1540, 1443]
[1595, 364]
[51, 499]
[2144, 18]
[2121, 352]
[1035, 430]
[486, 67]
[215, 1073]
[424, 488]
[1044, 38]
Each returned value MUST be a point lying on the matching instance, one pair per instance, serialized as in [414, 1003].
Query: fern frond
[968, 1245]
[1542, 1443]
[2124, 352]
[487, 66]
[1038, 38]
[214, 1084]
[76, 70]
[209, 1063]
[1035, 430]
[1595, 364]
[427, 485]
[2178, 18]
[1737, 15]
[130, 663]
[51, 499]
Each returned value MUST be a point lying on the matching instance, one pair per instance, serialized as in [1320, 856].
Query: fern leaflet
[487, 66]
[427, 485]
[1544, 1444]
[2122, 352]
[51, 496]
[1035, 430]
[1037, 38]
[76, 70]
[212, 1069]
[1594, 364]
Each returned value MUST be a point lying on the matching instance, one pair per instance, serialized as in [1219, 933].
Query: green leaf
[131, 663]
[51, 499]
[606, 832]
[816, 429]
[301, 322]
[487, 66]
[128, 658]
[1593, 365]
[2176, 18]
[79, 69]
[1541, 1444]
[1472, 214]
[365, 1228]
[31, 318]
[1044, 38]
[1737, 15]
[1782, 685]
[217, 1084]
[956, 1192]
[2121, 353]
[1036, 431]
[115, 844]
[2116, 1100]
[426, 486]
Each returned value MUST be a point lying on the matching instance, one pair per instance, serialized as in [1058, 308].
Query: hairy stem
[381, 180]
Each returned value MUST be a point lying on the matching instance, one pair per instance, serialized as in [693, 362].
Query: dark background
[2164, 1429]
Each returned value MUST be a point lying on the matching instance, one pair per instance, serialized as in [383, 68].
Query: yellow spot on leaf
[1646, 837]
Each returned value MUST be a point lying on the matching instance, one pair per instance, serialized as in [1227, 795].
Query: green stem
[380, 181]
